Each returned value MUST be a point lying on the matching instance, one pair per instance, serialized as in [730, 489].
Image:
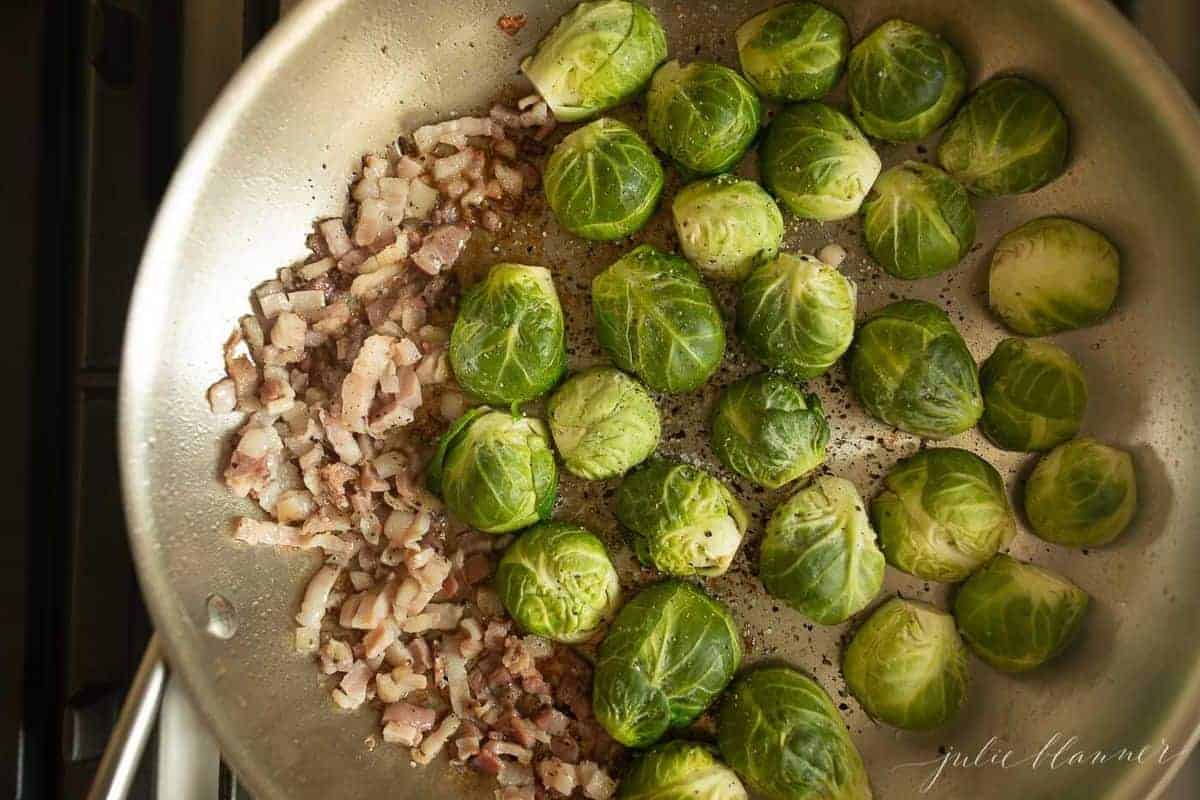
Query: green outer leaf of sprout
[820, 555]
[943, 513]
[793, 51]
[911, 369]
[495, 471]
[918, 221]
[1081, 494]
[727, 225]
[508, 341]
[657, 319]
[557, 581]
[1034, 395]
[907, 666]
[796, 314]
[781, 733]
[1016, 616]
[597, 56]
[671, 650]
[680, 770]
[1009, 137]
[682, 520]
[604, 423]
[602, 181]
[703, 115]
[904, 82]
[766, 429]
[817, 163]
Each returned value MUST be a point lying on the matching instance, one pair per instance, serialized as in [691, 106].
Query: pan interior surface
[342, 77]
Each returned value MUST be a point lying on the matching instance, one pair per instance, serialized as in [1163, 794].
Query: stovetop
[117, 87]
[120, 85]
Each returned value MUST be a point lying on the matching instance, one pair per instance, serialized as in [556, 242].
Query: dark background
[98, 102]
[100, 96]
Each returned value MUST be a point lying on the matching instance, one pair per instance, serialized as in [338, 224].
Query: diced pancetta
[441, 248]
[312, 607]
[337, 240]
[222, 395]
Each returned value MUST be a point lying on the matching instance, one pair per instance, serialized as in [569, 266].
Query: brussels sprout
[495, 471]
[904, 82]
[604, 423]
[907, 665]
[507, 345]
[1016, 616]
[793, 51]
[1081, 494]
[1034, 395]
[918, 221]
[943, 512]
[669, 652]
[726, 225]
[817, 162]
[682, 520]
[597, 56]
[796, 314]
[602, 181]
[680, 770]
[766, 429]
[1009, 137]
[658, 320]
[912, 369]
[703, 115]
[1053, 274]
[819, 555]
[779, 730]
[557, 581]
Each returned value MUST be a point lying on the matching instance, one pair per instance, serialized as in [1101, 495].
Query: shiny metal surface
[118, 766]
[339, 77]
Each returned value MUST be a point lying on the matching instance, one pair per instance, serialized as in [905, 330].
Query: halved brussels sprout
[912, 370]
[597, 56]
[907, 666]
[604, 423]
[794, 51]
[602, 181]
[817, 162]
[682, 520]
[702, 115]
[1016, 616]
[726, 225]
[680, 770]
[904, 82]
[1053, 274]
[1081, 494]
[918, 221]
[780, 731]
[1034, 395]
[508, 345]
[658, 320]
[796, 314]
[495, 471]
[557, 581]
[943, 512]
[766, 429]
[820, 555]
[1009, 137]
[671, 650]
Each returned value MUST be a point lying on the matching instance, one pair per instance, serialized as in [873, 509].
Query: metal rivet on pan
[222, 617]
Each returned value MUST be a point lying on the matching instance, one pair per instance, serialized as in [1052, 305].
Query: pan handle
[118, 766]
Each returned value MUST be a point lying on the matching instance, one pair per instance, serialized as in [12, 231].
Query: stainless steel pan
[340, 77]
